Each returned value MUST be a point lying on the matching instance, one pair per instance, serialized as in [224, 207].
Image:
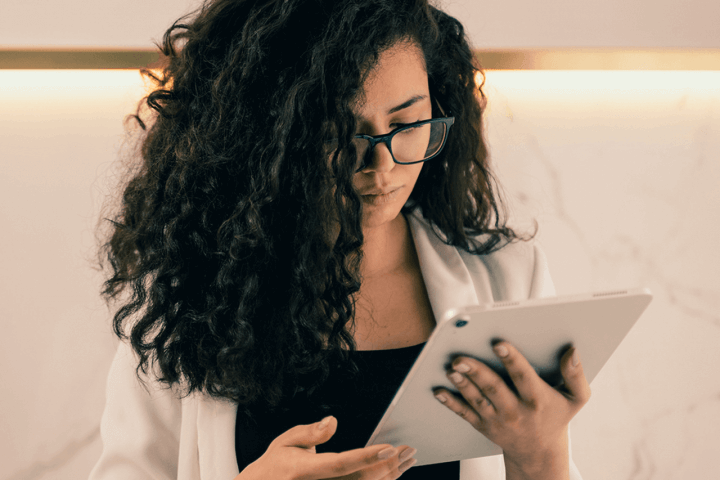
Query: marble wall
[620, 169]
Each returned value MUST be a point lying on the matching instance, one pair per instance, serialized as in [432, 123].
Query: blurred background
[603, 123]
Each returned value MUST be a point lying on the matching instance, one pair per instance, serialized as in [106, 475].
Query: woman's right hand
[292, 456]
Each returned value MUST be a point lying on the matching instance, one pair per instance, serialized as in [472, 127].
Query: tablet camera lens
[461, 323]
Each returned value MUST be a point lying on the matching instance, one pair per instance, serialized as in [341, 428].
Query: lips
[381, 196]
[380, 191]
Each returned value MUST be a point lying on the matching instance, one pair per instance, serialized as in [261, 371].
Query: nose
[380, 160]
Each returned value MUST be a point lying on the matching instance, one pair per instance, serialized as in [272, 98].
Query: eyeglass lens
[411, 145]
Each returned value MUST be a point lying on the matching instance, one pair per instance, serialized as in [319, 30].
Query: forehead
[398, 75]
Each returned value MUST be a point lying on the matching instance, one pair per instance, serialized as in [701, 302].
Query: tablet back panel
[542, 329]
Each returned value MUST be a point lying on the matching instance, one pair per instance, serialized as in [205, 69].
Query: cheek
[414, 173]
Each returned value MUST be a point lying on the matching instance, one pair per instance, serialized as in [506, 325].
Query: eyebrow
[406, 104]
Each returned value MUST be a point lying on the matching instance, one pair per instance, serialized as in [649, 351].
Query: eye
[411, 130]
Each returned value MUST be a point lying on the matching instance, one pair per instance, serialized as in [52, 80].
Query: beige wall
[87, 23]
[490, 24]
[589, 23]
[59, 134]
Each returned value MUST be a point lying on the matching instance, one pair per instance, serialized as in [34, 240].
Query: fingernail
[461, 367]
[407, 454]
[456, 377]
[501, 350]
[575, 358]
[386, 453]
[441, 397]
[402, 468]
[325, 422]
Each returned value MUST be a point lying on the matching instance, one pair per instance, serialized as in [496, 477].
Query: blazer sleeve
[140, 427]
[542, 285]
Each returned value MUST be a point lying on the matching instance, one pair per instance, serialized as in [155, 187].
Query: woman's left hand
[530, 426]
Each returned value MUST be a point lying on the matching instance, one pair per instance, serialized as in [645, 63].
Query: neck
[386, 248]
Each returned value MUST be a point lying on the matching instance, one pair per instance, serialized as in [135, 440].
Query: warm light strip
[491, 59]
[587, 84]
[72, 82]
[556, 83]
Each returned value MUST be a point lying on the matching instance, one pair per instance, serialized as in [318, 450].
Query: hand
[292, 456]
[530, 426]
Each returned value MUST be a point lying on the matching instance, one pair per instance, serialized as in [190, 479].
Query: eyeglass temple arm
[442, 112]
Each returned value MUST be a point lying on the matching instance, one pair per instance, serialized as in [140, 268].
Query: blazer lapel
[447, 279]
[449, 286]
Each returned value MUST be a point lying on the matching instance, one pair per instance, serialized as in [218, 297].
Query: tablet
[541, 329]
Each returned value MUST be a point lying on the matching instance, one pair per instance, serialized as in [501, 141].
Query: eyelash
[395, 126]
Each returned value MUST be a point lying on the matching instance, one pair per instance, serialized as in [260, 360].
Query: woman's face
[396, 92]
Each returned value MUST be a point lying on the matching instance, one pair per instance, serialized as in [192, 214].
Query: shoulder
[141, 424]
[515, 270]
[128, 391]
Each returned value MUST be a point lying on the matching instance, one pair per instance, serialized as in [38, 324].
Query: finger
[375, 462]
[398, 465]
[482, 388]
[307, 436]
[463, 409]
[575, 381]
[526, 380]
[405, 466]
[390, 469]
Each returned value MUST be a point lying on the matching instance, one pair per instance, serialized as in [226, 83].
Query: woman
[314, 192]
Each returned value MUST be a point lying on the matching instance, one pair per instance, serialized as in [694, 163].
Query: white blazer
[154, 435]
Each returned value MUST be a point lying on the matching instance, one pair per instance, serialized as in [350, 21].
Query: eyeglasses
[412, 143]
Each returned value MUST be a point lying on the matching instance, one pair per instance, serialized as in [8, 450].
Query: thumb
[307, 436]
[575, 381]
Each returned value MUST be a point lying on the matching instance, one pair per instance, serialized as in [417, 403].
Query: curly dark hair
[239, 290]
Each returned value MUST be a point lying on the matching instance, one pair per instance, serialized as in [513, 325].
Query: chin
[376, 217]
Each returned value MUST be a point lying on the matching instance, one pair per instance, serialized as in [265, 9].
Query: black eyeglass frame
[387, 140]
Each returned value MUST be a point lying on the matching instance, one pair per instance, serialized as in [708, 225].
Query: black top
[358, 402]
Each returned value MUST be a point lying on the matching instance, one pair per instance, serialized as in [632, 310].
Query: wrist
[249, 473]
[547, 464]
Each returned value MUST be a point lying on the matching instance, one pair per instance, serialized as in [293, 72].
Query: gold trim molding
[490, 59]
[77, 59]
[601, 59]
